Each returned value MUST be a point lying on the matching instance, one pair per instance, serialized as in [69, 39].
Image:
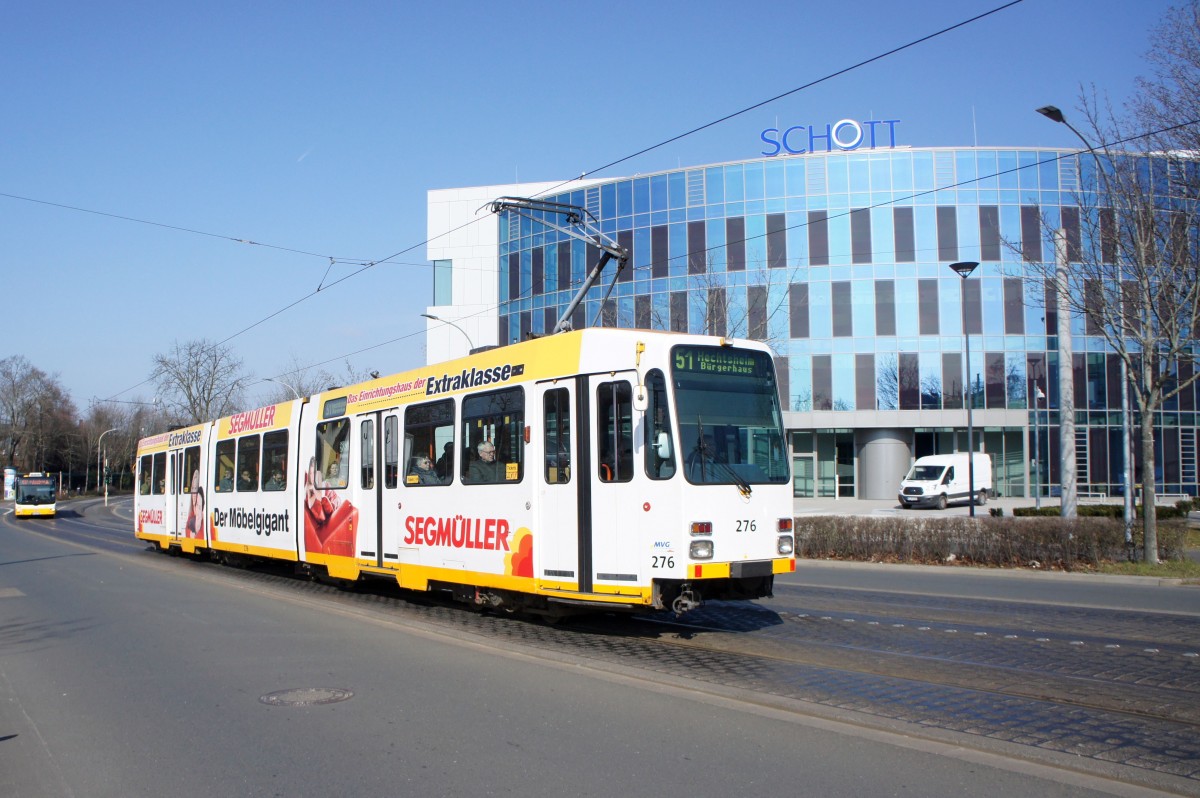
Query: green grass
[1177, 569]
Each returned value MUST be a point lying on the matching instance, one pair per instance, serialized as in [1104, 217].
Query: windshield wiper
[707, 458]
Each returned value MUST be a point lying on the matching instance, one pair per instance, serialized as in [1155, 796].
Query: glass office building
[840, 261]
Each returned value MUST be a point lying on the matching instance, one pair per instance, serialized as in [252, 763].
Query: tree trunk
[1149, 516]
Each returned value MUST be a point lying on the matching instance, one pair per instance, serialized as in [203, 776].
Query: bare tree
[37, 417]
[887, 382]
[1131, 242]
[750, 308]
[199, 381]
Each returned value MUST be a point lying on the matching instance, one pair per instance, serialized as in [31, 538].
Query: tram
[596, 469]
[35, 496]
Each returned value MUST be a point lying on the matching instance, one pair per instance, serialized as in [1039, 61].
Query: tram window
[331, 461]
[366, 435]
[247, 463]
[429, 443]
[556, 407]
[391, 455]
[191, 469]
[614, 427]
[274, 459]
[158, 484]
[224, 466]
[660, 447]
[144, 476]
[493, 437]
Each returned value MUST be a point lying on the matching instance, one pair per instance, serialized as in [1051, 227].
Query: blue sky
[318, 128]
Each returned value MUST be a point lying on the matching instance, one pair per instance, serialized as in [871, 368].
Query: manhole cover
[306, 696]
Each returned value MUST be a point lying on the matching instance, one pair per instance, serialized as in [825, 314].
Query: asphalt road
[128, 673]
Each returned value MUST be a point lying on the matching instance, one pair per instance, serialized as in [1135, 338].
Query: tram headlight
[785, 545]
[701, 550]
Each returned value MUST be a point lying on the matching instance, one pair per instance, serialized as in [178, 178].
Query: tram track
[918, 663]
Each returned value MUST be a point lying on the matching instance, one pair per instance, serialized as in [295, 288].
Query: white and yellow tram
[603, 468]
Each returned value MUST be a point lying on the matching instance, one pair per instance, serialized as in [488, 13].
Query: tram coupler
[686, 601]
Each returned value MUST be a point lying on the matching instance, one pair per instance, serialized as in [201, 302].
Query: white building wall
[462, 230]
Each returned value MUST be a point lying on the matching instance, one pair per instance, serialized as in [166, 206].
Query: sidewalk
[832, 506]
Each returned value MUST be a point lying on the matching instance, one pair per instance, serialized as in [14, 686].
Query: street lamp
[1038, 396]
[99, 473]
[963, 269]
[295, 393]
[430, 316]
[1054, 114]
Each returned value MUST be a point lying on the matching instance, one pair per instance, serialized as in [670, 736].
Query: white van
[940, 479]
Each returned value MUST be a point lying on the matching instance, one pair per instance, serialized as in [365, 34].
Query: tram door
[175, 504]
[615, 513]
[365, 488]
[375, 487]
[388, 478]
[559, 524]
[182, 505]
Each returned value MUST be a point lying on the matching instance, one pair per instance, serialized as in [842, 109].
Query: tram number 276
[746, 525]
[663, 562]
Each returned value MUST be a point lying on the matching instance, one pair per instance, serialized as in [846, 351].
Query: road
[125, 672]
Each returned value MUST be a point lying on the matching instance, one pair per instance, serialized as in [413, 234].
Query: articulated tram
[603, 469]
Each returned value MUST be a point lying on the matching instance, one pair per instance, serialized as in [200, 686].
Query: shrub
[996, 541]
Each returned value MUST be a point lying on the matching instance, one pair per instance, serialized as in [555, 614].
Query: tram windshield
[731, 428]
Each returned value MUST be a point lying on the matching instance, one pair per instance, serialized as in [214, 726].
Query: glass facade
[840, 262]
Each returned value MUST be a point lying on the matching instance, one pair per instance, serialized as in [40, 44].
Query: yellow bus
[35, 495]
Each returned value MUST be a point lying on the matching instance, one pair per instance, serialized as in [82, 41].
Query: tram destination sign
[715, 360]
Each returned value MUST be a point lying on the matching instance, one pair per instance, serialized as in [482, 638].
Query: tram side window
[366, 435]
[191, 469]
[556, 408]
[247, 463]
[224, 466]
[144, 475]
[391, 454]
[429, 443]
[660, 448]
[614, 427]
[158, 484]
[274, 459]
[493, 437]
[331, 462]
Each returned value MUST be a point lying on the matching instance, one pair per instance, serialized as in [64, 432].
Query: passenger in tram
[276, 481]
[247, 480]
[445, 463]
[422, 469]
[485, 469]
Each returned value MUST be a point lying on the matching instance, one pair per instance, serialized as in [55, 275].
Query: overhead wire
[960, 184]
[366, 265]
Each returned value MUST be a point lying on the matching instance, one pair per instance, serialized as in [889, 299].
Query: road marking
[10, 592]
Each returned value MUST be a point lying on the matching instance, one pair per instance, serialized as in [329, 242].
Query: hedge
[1067, 544]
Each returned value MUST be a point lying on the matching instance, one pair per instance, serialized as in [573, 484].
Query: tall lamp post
[99, 473]
[470, 343]
[963, 269]
[1056, 115]
[1038, 396]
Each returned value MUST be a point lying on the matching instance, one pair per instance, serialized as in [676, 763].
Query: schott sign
[844, 135]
